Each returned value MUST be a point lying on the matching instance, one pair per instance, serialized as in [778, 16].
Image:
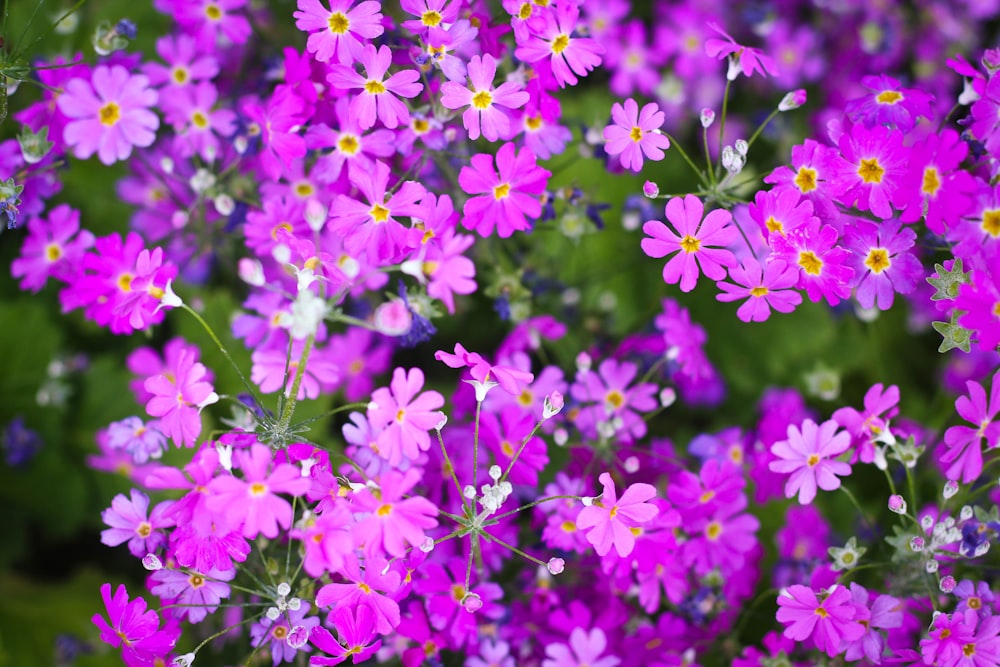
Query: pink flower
[824, 270]
[134, 628]
[584, 650]
[608, 399]
[555, 38]
[50, 249]
[403, 417]
[696, 244]
[865, 426]
[195, 595]
[633, 134]
[111, 114]
[808, 455]
[742, 58]
[128, 522]
[483, 100]
[393, 521]
[508, 197]
[358, 639]
[178, 398]
[828, 621]
[965, 443]
[510, 379]
[253, 500]
[872, 168]
[279, 122]
[610, 519]
[764, 288]
[378, 96]
[337, 33]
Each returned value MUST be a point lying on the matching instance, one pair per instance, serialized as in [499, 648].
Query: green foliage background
[51, 559]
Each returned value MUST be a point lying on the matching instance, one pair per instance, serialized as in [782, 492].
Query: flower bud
[917, 544]
[950, 489]
[393, 318]
[298, 637]
[315, 214]
[472, 603]
[553, 405]
[947, 584]
[183, 660]
[151, 562]
[650, 189]
[897, 504]
[707, 117]
[792, 100]
[556, 566]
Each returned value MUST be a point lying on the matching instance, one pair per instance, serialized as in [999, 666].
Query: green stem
[222, 348]
[451, 468]
[725, 108]
[475, 456]
[687, 158]
[497, 518]
[520, 553]
[517, 455]
[286, 415]
[760, 128]
[708, 159]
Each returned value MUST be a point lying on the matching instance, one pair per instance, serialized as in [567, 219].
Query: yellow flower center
[457, 592]
[501, 191]
[889, 97]
[258, 489]
[180, 75]
[810, 263]
[338, 23]
[379, 213]
[144, 530]
[110, 114]
[877, 260]
[774, 226]
[420, 125]
[991, 222]
[560, 43]
[53, 252]
[507, 448]
[196, 581]
[713, 530]
[278, 227]
[690, 244]
[614, 399]
[430, 18]
[821, 612]
[707, 496]
[213, 12]
[525, 12]
[199, 120]
[635, 134]
[304, 189]
[533, 122]
[871, 171]
[568, 527]
[805, 179]
[348, 144]
[758, 291]
[482, 100]
[373, 87]
[384, 510]
[931, 182]
[812, 460]
[125, 282]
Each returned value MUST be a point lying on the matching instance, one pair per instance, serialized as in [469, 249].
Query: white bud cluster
[283, 602]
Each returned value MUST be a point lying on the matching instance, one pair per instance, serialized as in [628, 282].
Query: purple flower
[378, 96]
[356, 628]
[696, 244]
[279, 631]
[508, 193]
[633, 134]
[828, 618]
[882, 266]
[111, 114]
[585, 649]
[135, 629]
[807, 455]
[196, 595]
[555, 38]
[484, 101]
[742, 58]
[128, 522]
[965, 443]
[764, 288]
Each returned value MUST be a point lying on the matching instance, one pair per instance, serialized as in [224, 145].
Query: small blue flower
[19, 443]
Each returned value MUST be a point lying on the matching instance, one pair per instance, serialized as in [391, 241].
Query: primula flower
[403, 417]
[110, 114]
[609, 521]
[279, 121]
[871, 169]
[129, 523]
[889, 103]
[555, 38]
[378, 96]
[808, 456]
[611, 399]
[510, 379]
[338, 33]
[696, 243]
[866, 426]
[781, 210]
[721, 541]
[824, 265]
[484, 101]
[506, 198]
[393, 521]
[980, 301]
[742, 58]
[278, 632]
[195, 595]
[965, 443]
[764, 288]
[356, 628]
[585, 649]
[254, 501]
[633, 134]
[141, 441]
[178, 398]
[828, 621]
[373, 588]
[135, 629]
[205, 19]
[185, 63]
[881, 261]
[50, 250]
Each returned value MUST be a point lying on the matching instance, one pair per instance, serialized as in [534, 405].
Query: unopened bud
[650, 189]
[950, 489]
[182, 660]
[441, 424]
[947, 584]
[917, 544]
[897, 504]
[251, 271]
[667, 397]
[316, 214]
[707, 117]
[151, 562]
[553, 405]
[472, 603]
[427, 545]
[298, 637]
[792, 100]
[224, 204]
[556, 566]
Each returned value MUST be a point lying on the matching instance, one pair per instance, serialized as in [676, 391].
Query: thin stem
[520, 553]
[857, 505]
[300, 369]
[222, 348]
[760, 128]
[224, 631]
[517, 455]
[328, 413]
[475, 455]
[675, 144]
[451, 468]
[708, 159]
[725, 108]
[497, 518]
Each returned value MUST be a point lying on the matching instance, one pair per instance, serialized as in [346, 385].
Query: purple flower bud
[947, 584]
[792, 100]
[556, 566]
[707, 117]
[553, 405]
[897, 504]
[472, 603]
[650, 189]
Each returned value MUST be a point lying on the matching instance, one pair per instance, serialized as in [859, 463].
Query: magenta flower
[888, 103]
[881, 262]
[393, 521]
[721, 541]
[484, 101]
[696, 244]
[633, 134]
[403, 417]
[781, 210]
[129, 523]
[507, 198]
[555, 38]
[253, 500]
[980, 301]
[111, 114]
[378, 96]
[763, 287]
[825, 272]
[965, 443]
[135, 629]
[584, 650]
[199, 127]
[356, 630]
[742, 58]
[609, 521]
[510, 379]
[871, 169]
[178, 398]
[279, 122]
[828, 621]
[337, 33]
[196, 595]
[607, 397]
[50, 250]
[373, 588]
[807, 455]
[865, 426]
[185, 63]
[205, 19]
[278, 633]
